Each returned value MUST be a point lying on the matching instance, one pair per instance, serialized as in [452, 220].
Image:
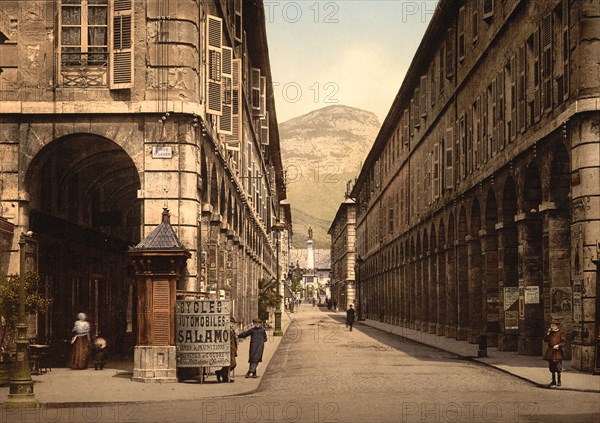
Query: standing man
[224, 373]
[554, 355]
[258, 337]
[350, 317]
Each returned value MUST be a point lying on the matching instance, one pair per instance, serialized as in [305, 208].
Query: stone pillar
[462, 290]
[556, 270]
[475, 289]
[531, 319]
[441, 292]
[491, 300]
[451, 300]
[425, 295]
[433, 292]
[159, 261]
[508, 285]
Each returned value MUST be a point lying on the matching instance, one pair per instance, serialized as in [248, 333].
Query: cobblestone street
[321, 372]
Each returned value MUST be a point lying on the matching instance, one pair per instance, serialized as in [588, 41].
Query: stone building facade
[111, 110]
[343, 254]
[478, 207]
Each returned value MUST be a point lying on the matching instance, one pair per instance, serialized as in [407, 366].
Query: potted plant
[267, 297]
[9, 310]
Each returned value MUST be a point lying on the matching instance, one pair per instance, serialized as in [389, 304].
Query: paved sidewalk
[532, 369]
[62, 387]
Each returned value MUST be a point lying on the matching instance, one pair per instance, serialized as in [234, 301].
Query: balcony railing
[84, 69]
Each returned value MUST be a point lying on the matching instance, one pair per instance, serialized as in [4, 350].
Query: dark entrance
[85, 214]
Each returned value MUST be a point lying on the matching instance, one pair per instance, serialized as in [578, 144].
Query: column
[462, 290]
[441, 292]
[489, 247]
[531, 329]
[451, 302]
[475, 288]
[433, 291]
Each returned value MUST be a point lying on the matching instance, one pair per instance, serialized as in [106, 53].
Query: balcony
[85, 70]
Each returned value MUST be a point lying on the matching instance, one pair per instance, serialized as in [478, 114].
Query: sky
[348, 52]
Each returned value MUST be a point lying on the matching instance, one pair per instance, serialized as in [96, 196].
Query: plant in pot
[9, 313]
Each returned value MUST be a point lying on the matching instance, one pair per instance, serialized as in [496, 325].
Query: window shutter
[436, 170]
[161, 322]
[494, 118]
[214, 62]
[521, 88]
[432, 81]
[484, 127]
[566, 48]
[449, 171]
[236, 104]
[475, 22]
[450, 54]
[500, 110]
[461, 34]
[462, 134]
[405, 129]
[513, 98]
[412, 116]
[255, 87]
[226, 118]
[121, 56]
[547, 62]
[423, 101]
[238, 22]
[417, 97]
[536, 76]
[475, 132]
[488, 9]
[263, 96]
[264, 129]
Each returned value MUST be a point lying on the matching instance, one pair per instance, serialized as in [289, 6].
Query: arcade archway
[85, 214]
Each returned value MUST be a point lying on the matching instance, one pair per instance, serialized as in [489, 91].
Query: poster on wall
[532, 294]
[202, 333]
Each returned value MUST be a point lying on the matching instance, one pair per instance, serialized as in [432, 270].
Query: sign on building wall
[511, 315]
[162, 152]
[532, 294]
[202, 333]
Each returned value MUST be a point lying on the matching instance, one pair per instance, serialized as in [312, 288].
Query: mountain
[321, 152]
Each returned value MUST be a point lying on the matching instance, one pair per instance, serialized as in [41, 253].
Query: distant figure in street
[350, 317]
[258, 337]
[382, 314]
[554, 355]
[223, 374]
[82, 346]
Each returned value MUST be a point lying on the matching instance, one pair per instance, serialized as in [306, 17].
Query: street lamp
[277, 228]
[359, 262]
[20, 394]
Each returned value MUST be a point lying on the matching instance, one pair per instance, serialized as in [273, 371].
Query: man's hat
[555, 322]
[257, 320]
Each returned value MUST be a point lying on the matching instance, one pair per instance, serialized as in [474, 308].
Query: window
[95, 43]
[475, 121]
[475, 22]
[546, 49]
[450, 53]
[488, 9]
[461, 35]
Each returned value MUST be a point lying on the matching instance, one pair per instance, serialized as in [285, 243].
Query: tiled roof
[162, 238]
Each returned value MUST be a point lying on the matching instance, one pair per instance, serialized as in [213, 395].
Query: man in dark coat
[258, 337]
[350, 317]
[554, 355]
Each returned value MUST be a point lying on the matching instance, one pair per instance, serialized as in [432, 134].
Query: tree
[297, 280]
[9, 301]
[267, 296]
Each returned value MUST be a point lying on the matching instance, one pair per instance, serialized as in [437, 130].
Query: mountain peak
[321, 151]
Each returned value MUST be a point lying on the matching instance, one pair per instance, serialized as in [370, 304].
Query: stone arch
[418, 282]
[433, 279]
[560, 179]
[85, 213]
[223, 201]
[412, 275]
[425, 295]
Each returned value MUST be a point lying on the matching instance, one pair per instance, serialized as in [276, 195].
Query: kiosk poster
[202, 333]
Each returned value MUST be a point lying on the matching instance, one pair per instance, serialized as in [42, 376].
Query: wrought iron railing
[84, 69]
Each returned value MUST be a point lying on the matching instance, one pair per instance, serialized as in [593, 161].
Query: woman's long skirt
[80, 353]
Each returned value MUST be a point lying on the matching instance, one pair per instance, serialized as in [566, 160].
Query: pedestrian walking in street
[554, 354]
[258, 337]
[350, 317]
[223, 375]
[82, 346]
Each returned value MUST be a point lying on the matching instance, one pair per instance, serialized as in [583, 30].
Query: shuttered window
[488, 9]
[84, 42]
[449, 158]
[513, 98]
[236, 105]
[546, 62]
[423, 101]
[238, 22]
[214, 63]
[226, 118]
[522, 89]
[536, 111]
[461, 35]
[450, 54]
[121, 48]
[417, 97]
[500, 111]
